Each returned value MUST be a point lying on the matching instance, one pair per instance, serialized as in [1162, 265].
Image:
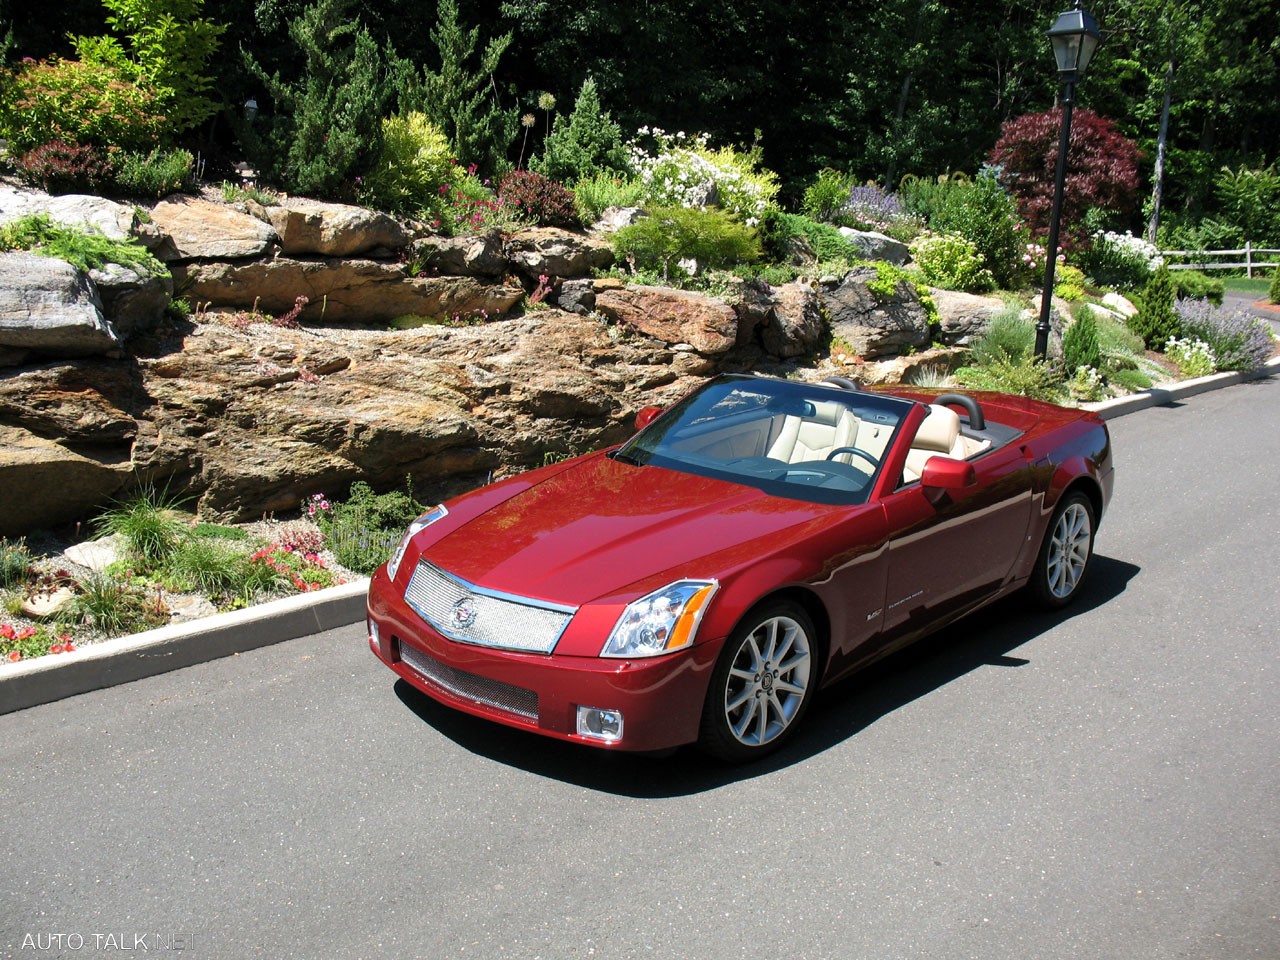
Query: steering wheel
[824, 468]
[862, 453]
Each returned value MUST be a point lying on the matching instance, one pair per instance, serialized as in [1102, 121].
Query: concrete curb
[1160, 396]
[101, 665]
[94, 667]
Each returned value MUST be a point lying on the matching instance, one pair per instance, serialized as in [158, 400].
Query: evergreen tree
[462, 102]
[1157, 322]
[326, 125]
[588, 143]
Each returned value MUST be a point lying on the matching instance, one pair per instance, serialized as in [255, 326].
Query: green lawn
[1257, 286]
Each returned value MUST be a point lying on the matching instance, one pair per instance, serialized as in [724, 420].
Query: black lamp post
[1074, 36]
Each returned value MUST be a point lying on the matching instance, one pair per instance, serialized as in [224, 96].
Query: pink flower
[56, 648]
[14, 656]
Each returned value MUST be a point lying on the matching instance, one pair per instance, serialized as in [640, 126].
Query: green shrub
[78, 103]
[1129, 379]
[1273, 294]
[168, 45]
[469, 207]
[1120, 260]
[829, 245]
[595, 194]
[538, 198]
[1194, 285]
[155, 174]
[211, 566]
[587, 144]
[826, 195]
[414, 161]
[1027, 376]
[951, 262]
[362, 530]
[60, 167]
[708, 236]
[1156, 320]
[81, 248]
[1080, 346]
[982, 212]
[686, 172]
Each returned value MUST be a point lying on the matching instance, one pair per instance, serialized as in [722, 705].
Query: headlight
[663, 622]
[424, 521]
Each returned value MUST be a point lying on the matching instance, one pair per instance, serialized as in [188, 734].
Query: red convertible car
[758, 540]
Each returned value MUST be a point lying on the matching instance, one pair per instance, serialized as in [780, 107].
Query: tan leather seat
[939, 434]
[831, 425]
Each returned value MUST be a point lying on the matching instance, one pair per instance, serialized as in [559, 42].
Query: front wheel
[762, 684]
[1065, 553]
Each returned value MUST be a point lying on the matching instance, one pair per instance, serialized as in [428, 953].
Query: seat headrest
[939, 430]
[827, 412]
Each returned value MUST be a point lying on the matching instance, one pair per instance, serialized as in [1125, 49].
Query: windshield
[803, 441]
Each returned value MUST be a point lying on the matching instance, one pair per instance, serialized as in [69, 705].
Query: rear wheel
[1065, 553]
[762, 683]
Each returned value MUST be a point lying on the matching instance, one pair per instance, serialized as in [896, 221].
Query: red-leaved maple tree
[1102, 169]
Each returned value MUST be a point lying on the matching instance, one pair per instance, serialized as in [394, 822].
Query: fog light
[599, 724]
[373, 635]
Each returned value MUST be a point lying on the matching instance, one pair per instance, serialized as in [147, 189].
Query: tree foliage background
[878, 88]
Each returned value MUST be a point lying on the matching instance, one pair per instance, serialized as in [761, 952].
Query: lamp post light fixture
[250, 109]
[1074, 36]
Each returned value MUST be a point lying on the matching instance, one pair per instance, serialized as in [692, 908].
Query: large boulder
[876, 246]
[45, 483]
[314, 228]
[196, 229]
[343, 291]
[708, 325]
[873, 324]
[466, 256]
[49, 307]
[551, 252]
[964, 316]
[132, 299]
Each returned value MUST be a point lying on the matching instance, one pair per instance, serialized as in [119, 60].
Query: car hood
[602, 526]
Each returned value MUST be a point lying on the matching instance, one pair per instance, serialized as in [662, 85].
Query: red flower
[14, 656]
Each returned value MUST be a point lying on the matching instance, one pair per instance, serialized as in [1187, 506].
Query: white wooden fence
[1249, 264]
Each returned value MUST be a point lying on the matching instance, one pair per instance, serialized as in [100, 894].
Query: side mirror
[947, 474]
[646, 416]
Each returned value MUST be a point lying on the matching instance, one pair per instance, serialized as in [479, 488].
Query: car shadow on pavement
[986, 638]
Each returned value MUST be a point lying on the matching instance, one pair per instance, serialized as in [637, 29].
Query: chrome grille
[470, 686]
[470, 614]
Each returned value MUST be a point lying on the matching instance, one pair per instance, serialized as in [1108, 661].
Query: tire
[762, 684]
[1065, 554]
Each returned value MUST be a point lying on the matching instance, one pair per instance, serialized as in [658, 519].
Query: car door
[950, 550]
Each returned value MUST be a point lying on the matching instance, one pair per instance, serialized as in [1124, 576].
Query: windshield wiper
[625, 458]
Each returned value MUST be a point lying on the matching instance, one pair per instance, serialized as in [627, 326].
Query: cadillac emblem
[463, 613]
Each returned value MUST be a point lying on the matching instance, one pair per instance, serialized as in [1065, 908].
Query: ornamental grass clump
[15, 562]
[148, 524]
[1238, 340]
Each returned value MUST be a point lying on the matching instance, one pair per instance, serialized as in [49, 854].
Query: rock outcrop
[513, 350]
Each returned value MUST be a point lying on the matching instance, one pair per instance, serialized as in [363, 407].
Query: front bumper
[660, 698]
